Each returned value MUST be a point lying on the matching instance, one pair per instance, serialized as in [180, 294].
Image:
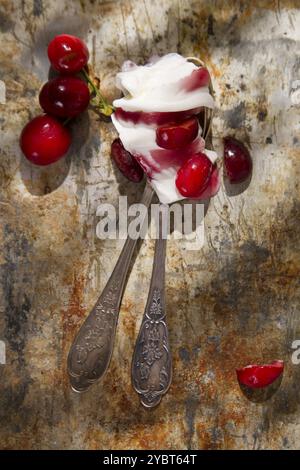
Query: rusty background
[236, 301]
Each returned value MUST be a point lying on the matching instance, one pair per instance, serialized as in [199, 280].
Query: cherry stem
[66, 121]
[104, 107]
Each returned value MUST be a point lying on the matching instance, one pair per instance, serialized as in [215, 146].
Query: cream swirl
[158, 86]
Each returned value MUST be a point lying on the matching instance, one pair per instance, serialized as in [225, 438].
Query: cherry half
[193, 177]
[65, 97]
[126, 162]
[68, 54]
[177, 136]
[237, 160]
[44, 140]
[255, 376]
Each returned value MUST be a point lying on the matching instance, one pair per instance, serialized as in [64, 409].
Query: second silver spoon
[152, 364]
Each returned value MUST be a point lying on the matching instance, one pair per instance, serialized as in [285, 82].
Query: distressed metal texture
[233, 302]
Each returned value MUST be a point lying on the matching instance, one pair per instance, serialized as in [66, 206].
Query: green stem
[104, 107]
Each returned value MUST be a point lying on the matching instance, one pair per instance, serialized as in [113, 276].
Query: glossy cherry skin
[255, 376]
[193, 177]
[68, 54]
[237, 160]
[126, 163]
[198, 78]
[177, 136]
[65, 97]
[44, 140]
[213, 185]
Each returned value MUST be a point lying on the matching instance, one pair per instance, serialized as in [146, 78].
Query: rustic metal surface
[233, 302]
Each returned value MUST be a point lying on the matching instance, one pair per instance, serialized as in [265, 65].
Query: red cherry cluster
[46, 139]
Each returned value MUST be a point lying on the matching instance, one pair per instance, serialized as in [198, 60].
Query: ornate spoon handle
[91, 350]
[151, 370]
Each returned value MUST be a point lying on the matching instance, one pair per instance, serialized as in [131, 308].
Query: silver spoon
[151, 370]
[91, 351]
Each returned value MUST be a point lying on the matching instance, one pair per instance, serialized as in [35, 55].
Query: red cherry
[213, 185]
[68, 54]
[197, 79]
[237, 160]
[44, 140]
[126, 162]
[176, 136]
[193, 177]
[255, 376]
[65, 97]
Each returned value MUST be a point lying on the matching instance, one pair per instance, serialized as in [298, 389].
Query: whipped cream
[157, 87]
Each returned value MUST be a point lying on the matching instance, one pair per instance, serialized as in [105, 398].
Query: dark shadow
[133, 191]
[80, 129]
[52, 73]
[259, 395]
[235, 189]
[42, 180]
